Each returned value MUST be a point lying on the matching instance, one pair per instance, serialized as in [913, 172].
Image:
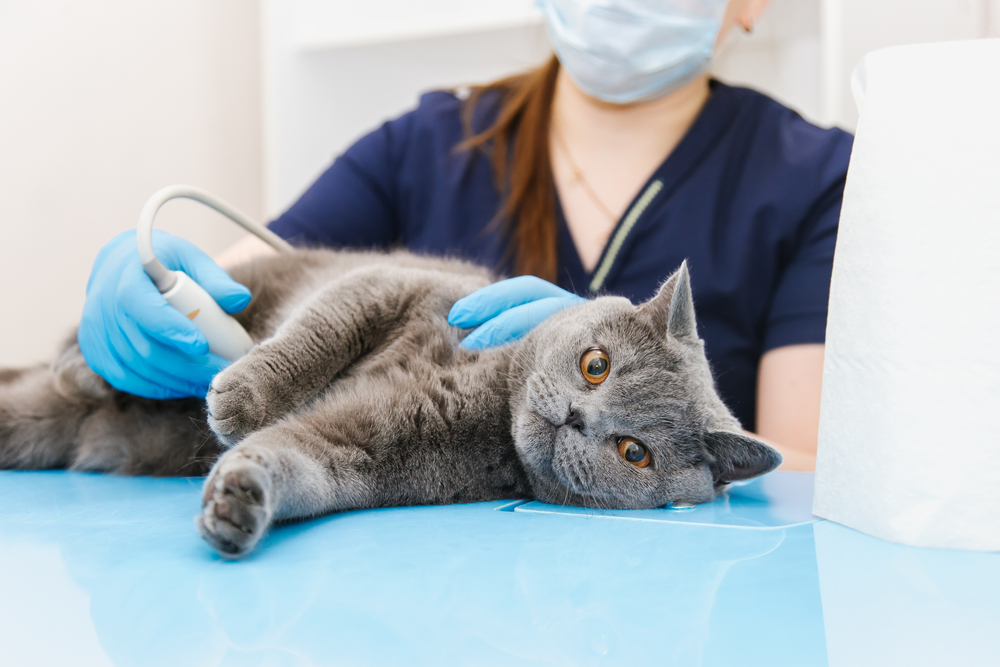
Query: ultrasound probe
[225, 336]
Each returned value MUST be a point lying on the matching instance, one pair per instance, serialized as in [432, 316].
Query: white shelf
[323, 25]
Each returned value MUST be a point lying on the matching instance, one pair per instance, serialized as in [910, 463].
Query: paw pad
[235, 510]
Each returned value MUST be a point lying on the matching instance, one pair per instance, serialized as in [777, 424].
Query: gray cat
[358, 395]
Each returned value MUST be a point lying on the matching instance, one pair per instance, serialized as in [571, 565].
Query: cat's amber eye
[634, 452]
[595, 365]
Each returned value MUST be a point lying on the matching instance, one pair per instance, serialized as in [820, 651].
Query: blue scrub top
[750, 197]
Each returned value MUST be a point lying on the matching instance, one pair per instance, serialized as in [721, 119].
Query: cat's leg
[73, 378]
[43, 410]
[401, 439]
[275, 474]
[39, 426]
[65, 416]
[365, 310]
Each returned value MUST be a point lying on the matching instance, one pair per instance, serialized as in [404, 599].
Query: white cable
[225, 336]
[161, 275]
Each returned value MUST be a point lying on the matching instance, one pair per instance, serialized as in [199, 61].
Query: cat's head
[619, 410]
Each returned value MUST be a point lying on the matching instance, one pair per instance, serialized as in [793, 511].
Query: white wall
[852, 28]
[102, 103]
[781, 56]
[335, 69]
[802, 52]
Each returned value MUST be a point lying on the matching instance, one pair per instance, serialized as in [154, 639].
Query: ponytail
[519, 145]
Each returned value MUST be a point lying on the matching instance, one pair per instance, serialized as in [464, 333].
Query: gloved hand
[133, 338]
[505, 311]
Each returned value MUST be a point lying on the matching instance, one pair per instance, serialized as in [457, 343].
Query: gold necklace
[578, 177]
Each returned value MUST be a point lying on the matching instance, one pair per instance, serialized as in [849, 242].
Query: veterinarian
[599, 172]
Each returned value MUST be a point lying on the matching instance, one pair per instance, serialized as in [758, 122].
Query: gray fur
[358, 396]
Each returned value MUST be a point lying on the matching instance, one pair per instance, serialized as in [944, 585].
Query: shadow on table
[888, 604]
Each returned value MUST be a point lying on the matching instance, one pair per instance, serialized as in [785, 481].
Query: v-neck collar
[713, 119]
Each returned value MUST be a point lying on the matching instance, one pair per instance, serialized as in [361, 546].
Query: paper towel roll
[909, 444]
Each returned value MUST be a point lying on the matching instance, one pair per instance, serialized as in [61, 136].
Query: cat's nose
[574, 418]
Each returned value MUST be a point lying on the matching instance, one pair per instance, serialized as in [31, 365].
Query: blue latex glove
[505, 311]
[133, 338]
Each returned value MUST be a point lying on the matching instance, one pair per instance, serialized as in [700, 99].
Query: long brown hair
[519, 145]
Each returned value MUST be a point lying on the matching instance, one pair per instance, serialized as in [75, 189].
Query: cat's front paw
[236, 505]
[236, 407]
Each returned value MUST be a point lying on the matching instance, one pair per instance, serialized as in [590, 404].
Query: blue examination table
[103, 570]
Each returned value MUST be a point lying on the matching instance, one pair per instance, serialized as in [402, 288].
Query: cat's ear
[672, 309]
[739, 456]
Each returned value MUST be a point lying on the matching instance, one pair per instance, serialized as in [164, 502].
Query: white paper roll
[909, 445]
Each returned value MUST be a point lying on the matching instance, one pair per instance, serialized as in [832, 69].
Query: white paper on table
[909, 444]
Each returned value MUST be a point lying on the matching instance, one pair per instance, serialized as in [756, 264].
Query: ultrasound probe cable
[225, 336]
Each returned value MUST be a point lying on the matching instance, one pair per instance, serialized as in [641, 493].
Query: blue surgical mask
[625, 51]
